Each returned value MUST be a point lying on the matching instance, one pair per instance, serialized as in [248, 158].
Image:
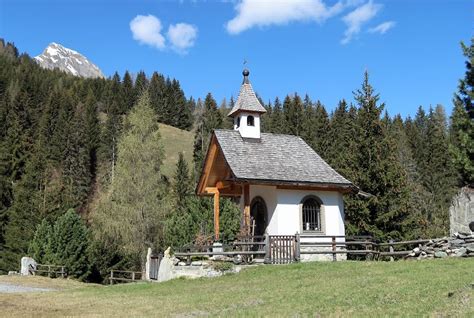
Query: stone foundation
[321, 257]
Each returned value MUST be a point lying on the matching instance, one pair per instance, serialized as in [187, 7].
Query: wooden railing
[49, 270]
[283, 249]
[124, 276]
[392, 245]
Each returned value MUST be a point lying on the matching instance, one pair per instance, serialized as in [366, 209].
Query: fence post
[297, 247]
[333, 248]
[368, 246]
[62, 271]
[111, 277]
[266, 260]
[133, 276]
[391, 250]
[49, 270]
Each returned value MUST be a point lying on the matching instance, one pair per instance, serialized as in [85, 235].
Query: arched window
[250, 121]
[311, 214]
[238, 122]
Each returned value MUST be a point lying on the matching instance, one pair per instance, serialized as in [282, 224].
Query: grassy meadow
[175, 141]
[436, 288]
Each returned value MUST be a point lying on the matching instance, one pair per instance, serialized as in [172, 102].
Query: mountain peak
[57, 56]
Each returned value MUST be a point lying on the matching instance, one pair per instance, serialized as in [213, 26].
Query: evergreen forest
[80, 159]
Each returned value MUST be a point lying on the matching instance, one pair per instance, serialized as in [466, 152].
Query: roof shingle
[247, 100]
[276, 157]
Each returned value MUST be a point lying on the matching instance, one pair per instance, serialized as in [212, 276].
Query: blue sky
[320, 47]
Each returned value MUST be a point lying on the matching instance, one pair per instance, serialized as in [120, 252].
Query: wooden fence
[282, 249]
[124, 276]
[48, 270]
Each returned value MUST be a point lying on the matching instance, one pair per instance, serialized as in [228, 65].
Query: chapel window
[311, 215]
[250, 121]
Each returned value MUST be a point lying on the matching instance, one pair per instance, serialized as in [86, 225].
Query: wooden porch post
[247, 208]
[216, 214]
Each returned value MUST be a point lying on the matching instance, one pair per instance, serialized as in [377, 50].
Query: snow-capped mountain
[70, 61]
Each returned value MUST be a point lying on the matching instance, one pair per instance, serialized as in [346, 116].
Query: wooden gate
[154, 266]
[282, 249]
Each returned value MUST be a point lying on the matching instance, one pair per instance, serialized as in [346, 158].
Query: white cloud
[260, 13]
[182, 36]
[382, 28]
[147, 30]
[355, 19]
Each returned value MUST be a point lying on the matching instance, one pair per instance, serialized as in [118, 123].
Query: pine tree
[127, 92]
[40, 248]
[342, 145]
[179, 229]
[293, 112]
[181, 114]
[76, 167]
[278, 118]
[70, 245]
[182, 187]
[157, 92]
[320, 130]
[266, 120]
[437, 171]
[462, 122]
[211, 119]
[116, 98]
[385, 213]
[141, 84]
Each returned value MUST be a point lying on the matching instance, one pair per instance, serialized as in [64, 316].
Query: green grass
[175, 141]
[361, 289]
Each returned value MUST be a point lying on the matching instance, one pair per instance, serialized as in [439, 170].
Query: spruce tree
[293, 113]
[278, 118]
[141, 84]
[40, 248]
[462, 122]
[157, 92]
[76, 166]
[70, 243]
[127, 92]
[211, 119]
[380, 174]
[320, 130]
[182, 186]
[181, 113]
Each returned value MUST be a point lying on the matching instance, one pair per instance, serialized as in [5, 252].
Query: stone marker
[166, 270]
[26, 262]
[461, 212]
[148, 264]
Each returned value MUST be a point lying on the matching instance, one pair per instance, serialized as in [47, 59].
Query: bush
[222, 266]
[66, 243]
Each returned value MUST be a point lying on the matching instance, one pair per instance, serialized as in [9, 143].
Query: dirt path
[11, 288]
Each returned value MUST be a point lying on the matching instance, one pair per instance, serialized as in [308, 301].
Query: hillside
[356, 289]
[175, 141]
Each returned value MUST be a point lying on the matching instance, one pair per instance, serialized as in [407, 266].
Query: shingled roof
[247, 100]
[276, 158]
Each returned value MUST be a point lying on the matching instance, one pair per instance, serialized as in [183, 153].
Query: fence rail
[49, 270]
[124, 276]
[284, 249]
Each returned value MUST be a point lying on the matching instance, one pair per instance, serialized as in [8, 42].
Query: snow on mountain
[67, 60]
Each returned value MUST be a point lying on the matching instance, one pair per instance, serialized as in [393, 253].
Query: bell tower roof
[247, 100]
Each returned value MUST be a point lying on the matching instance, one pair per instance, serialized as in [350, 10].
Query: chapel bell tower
[247, 110]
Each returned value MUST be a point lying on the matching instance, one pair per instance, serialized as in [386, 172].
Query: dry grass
[175, 141]
[362, 289]
[42, 282]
